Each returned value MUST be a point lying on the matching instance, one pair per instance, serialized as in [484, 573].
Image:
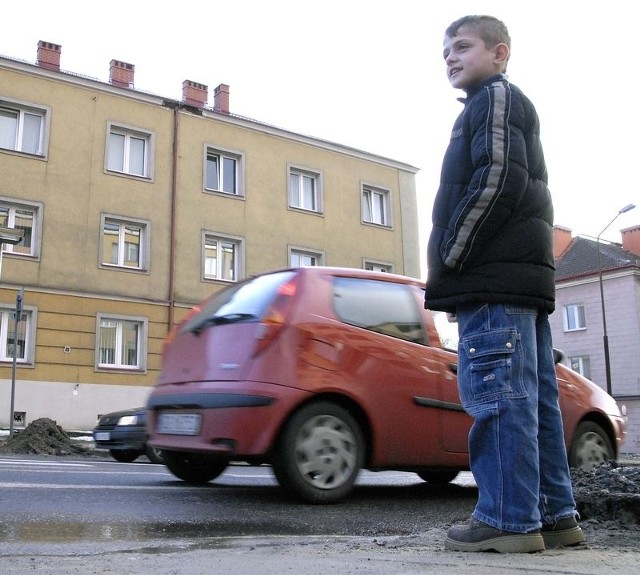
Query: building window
[124, 243]
[25, 345]
[129, 152]
[375, 206]
[582, 365]
[121, 343]
[22, 128]
[223, 172]
[378, 267]
[221, 258]
[24, 217]
[301, 258]
[574, 317]
[305, 190]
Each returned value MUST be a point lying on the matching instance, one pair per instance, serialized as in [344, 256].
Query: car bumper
[130, 439]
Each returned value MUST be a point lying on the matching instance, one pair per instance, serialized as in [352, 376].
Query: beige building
[134, 207]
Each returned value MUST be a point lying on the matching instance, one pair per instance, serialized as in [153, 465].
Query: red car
[321, 372]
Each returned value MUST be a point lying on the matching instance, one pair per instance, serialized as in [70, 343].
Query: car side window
[380, 306]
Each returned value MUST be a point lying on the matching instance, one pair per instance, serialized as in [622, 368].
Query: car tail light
[275, 316]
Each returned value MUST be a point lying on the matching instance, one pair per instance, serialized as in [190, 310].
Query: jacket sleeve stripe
[493, 171]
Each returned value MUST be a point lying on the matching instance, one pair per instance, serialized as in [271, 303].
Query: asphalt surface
[421, 554]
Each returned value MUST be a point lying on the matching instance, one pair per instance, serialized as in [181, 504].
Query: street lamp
[12, 236]
[8, 236]
[605, 337]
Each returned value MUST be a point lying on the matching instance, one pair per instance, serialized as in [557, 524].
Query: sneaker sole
[563, 538]
[517, 543]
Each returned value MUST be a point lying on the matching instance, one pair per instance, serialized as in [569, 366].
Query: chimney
[121, 74]
[194, 94]
[49, 55]
[631, 240]
[221, 99]
[561, 240]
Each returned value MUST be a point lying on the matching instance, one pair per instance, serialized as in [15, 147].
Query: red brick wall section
[121, 74]
[49, 55]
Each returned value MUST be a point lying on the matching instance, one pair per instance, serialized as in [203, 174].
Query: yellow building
[134, 207]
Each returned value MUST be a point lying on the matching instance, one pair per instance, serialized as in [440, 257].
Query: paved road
[62, 516]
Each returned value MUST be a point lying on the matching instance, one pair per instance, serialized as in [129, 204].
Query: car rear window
[380, 306]
[246, 301]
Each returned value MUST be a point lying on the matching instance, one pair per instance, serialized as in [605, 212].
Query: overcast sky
[370, 74]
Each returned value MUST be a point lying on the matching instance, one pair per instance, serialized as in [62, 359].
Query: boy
[490, 263]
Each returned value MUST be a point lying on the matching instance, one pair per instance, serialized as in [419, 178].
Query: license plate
[178, 423]
[102, 436]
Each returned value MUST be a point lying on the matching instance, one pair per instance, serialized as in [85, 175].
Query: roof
[581, 258]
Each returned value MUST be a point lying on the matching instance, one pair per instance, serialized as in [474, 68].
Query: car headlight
[128, 420]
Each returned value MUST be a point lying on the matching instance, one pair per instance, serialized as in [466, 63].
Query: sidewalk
[407, 555]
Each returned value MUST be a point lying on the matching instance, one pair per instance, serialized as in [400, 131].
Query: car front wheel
[154, 454]
[591, 446]
[319, 453]
[438, 477]
[125, 455]
[194, 468]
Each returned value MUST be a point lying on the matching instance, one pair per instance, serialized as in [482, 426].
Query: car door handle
[453, 367]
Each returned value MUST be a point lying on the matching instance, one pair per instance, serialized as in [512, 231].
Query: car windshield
[246, 301]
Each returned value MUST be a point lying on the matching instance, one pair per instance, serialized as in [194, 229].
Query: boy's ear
[501, 54]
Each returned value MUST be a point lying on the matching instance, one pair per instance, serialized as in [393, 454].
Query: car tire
[193, 468]
[153, 454]
[125, 455]
[438, 476]
[590, 446]
[319, 453]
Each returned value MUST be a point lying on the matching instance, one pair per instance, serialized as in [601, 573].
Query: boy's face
[469, 61]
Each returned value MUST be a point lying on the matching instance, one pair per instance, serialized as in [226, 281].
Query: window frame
[573, 310]
[224, 154]
[583, 363]
[142, 339]
[238, 266]
[21, 108]
[37, 210]
[377, 266]
[29, 317]
[129, 132]
[366, 205]
[144, 246]
[305, 252]
[296, 197]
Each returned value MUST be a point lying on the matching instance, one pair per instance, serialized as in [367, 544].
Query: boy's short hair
[490, 29]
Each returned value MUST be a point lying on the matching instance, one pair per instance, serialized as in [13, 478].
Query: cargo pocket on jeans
[489, 359]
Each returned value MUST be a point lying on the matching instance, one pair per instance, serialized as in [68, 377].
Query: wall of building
[66, 284]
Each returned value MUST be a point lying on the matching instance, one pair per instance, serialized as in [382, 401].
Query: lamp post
[605, 337]
[12, 236]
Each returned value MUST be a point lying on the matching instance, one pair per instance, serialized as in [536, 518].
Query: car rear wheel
[154, 454]
[319, 453]
[195, 468]
[438, 477]
[125, 455]
[591, 446]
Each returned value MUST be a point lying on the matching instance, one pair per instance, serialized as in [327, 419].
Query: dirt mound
[608, 492]
[42, 437]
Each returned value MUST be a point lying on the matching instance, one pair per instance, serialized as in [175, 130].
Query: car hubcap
[326, 452]
[592, 451]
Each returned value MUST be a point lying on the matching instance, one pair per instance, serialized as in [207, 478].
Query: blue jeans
[507, 383]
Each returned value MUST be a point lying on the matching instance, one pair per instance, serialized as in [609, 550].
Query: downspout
[172, 232]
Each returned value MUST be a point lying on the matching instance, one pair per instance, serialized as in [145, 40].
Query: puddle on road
[68, 532]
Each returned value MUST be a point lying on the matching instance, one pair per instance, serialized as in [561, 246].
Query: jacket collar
[473, 90]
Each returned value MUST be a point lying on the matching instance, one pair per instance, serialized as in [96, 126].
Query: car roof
[349, 272]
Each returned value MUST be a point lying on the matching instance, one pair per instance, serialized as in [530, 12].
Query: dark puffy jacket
[492, 235]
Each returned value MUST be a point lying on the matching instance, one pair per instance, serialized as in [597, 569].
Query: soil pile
[608, 492]
[42, 437]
